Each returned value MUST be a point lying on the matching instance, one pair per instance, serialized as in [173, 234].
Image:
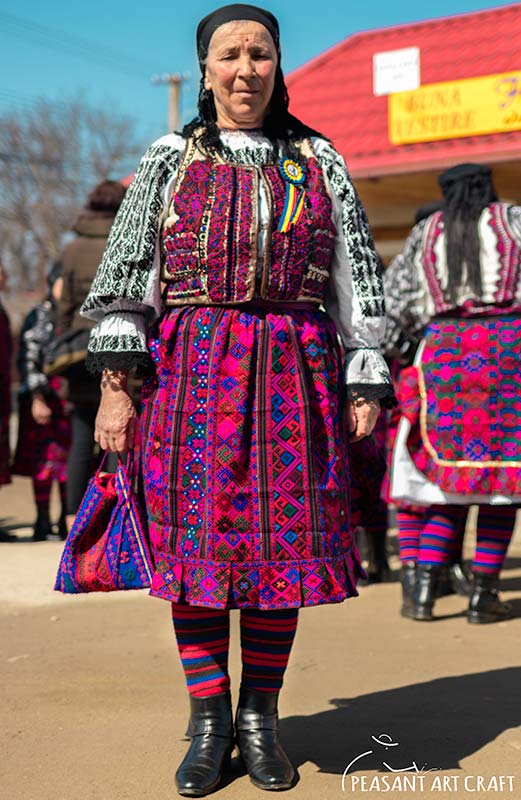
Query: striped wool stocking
[410, 525]
[266, 640]
[42, 493]
[440, 534]
[494, 532]
[203, 636]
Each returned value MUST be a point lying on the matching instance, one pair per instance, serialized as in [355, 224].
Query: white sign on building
[396, 71]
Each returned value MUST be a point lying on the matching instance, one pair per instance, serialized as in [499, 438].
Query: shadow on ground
[10, 535]
[436, 724]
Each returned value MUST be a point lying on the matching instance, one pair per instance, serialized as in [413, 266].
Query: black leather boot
[256, 724]
[460, 580]
[377, 567]
[484, 604]
[211, 730]
[408, 581]
[42, 528]
[62, 527]
[424, 594]
[444, 587]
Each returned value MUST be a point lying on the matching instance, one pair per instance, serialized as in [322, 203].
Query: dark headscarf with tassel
[467, 190]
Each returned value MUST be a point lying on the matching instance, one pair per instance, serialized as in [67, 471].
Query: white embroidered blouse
[125, 295]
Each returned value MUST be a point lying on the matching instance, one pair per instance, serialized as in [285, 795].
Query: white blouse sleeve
[354, 293]
[125, 293]
[406, 297]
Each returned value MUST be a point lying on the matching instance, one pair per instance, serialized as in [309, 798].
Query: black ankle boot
[424, 594]
[256, 724]
[42, 528]
[444, 587]
[62, 527]
[408, 581]
[459, 579]
[377, 567]
[484, 604]
[211, 730]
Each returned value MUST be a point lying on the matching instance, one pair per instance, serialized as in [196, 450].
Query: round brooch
[291, 171]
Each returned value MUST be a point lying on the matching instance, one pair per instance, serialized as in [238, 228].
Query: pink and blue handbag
[107, 548]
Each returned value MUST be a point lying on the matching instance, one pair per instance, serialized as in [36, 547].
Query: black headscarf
[461, 173]
[279, 124]
[467, 190]
[231, 13]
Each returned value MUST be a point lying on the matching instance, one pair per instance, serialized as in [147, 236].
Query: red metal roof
[334, 91]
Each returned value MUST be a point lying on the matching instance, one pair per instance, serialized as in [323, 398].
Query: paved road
[93, 702]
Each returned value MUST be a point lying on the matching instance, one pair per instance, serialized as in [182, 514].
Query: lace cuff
[118, 341]
[383, 392]
[97, 362]
[367, 375]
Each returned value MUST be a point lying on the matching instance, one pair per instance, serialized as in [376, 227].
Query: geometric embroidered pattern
[244, 461]
[464, 405]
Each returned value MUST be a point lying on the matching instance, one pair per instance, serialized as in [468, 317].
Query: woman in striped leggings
[455, 289]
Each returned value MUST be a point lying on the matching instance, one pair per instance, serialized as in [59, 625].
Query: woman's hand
[362, 416]
[116, 417]
[40, 410]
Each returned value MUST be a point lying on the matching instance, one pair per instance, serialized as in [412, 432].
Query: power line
[86, 49]
[71, 40]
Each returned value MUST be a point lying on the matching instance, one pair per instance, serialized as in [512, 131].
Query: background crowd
[57, 396]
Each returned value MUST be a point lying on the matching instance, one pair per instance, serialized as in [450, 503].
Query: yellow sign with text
[450, 110]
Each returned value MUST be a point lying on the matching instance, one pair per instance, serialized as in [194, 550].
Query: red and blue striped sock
[42, 492]
[440, 533]
[494, 532]
[410, 525]
[203, 637]
[266, 640]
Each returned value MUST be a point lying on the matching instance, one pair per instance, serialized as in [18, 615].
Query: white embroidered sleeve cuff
[367, 374]
[118, 341]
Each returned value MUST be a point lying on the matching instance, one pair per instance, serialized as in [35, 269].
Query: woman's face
[240, 71]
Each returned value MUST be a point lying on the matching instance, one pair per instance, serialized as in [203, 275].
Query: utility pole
[174, 83]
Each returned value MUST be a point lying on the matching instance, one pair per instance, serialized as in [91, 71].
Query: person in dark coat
[79, 261]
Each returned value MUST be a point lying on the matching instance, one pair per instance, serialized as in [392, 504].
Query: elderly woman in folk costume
[457, 287]
[250, 220]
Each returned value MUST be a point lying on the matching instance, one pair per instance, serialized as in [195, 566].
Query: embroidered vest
[500, 258]
[210, 236]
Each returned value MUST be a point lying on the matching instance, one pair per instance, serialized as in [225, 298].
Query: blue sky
[125, 43]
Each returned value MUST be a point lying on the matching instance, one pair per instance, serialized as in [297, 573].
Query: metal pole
[174, 102]
[174, 82]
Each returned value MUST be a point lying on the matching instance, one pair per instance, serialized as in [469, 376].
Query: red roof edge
[443, 161]
[354, 37]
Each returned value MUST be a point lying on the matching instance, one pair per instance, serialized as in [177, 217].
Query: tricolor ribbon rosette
[294, 176]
